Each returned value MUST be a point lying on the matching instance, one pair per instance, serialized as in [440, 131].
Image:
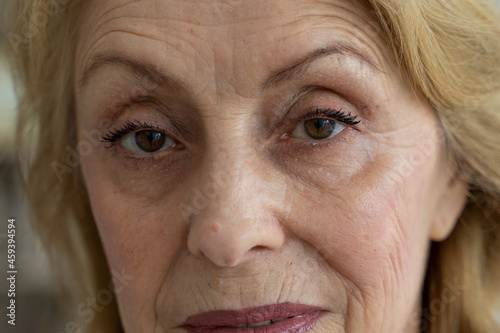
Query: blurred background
[36, 309]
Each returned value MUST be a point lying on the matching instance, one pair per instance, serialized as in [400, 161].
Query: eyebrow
[301, 66]
[147, 72]
[141, 71]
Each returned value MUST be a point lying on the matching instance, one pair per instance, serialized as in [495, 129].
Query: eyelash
[337, 115]
[115, 135]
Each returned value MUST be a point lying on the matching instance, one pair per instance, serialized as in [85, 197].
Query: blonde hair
[449, 50]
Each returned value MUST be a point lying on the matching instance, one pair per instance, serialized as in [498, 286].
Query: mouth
[278, 318]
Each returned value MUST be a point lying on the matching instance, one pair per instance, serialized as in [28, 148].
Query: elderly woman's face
[263, 163]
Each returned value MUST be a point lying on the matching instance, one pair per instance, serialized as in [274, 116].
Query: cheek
[374, 230]
[139, 240]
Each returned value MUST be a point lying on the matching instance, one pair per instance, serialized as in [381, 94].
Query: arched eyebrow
[142, 71]
[298, 68]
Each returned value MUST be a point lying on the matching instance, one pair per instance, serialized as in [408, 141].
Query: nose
[235, 223]
[229, 241]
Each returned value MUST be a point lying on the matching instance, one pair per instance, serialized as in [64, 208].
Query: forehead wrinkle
[97, 45]
[367, 29]
[321, 16]
[213, 12]
[121, 5]
[366, 24]
[102, 18]
[105, 19]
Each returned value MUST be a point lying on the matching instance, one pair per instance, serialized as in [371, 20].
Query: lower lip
[299, 324]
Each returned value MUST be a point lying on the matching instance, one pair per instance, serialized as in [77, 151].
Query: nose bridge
[231, 160]
[235, 177]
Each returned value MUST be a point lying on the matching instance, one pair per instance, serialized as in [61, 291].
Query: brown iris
[150, 141]
[319, 129]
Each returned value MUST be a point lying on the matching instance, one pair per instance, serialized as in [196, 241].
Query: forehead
[220, 13]
[224, 35]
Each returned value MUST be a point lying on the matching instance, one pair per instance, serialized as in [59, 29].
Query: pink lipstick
[277, 318]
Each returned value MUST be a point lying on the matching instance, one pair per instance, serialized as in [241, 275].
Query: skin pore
[238, 206]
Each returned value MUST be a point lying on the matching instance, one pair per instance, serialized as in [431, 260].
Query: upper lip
[250, 315]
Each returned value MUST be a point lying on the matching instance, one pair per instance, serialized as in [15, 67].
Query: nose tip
[234, 243]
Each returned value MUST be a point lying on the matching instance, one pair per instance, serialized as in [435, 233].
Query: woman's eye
[317, 129]
[147, 142]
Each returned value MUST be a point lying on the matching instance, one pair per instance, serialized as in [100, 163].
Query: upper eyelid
[176, 123]
[117, 134]
[175, 127]
[296, 100]
[352, 121]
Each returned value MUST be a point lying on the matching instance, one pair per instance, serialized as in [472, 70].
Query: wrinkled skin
[243, 211]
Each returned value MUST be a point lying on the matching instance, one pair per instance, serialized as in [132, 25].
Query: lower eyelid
[163, 155]
[140, 160]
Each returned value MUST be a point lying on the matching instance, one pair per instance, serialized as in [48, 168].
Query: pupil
[150, 141]
[319, 128]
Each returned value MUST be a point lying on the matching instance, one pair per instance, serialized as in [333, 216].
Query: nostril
[259, 248]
